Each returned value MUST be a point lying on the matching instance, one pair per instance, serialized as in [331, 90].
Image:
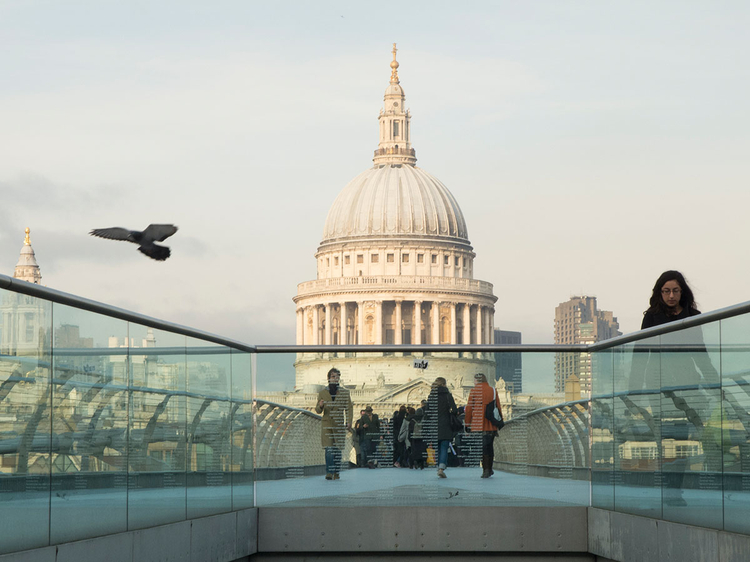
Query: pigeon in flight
[145, 239]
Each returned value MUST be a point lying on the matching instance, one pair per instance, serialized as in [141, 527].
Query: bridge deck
[406, 487]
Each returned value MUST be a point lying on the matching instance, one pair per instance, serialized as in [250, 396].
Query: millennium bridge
[128, 438]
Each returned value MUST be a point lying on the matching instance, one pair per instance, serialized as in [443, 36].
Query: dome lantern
[394, 120]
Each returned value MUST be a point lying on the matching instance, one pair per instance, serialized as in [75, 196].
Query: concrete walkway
[406, 487]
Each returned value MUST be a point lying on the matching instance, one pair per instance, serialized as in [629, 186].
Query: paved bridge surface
[407, 487]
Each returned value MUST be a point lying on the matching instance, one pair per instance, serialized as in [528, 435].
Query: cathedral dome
[395, 200]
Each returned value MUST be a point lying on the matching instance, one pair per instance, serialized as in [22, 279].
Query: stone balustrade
[418, 282]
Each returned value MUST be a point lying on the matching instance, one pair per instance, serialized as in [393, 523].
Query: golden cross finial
[27, 242]
[394, 66]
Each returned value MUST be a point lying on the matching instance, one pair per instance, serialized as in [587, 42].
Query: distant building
[508, 366]
[23, 322]
[579, 321]
[27, 269]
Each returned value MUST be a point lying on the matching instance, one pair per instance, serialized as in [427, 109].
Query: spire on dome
[27, 269]
[394, 66]
[395, 131]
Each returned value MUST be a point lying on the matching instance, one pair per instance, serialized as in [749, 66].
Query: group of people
[436, 425]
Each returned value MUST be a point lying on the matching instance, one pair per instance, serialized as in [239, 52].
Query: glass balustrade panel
[602, 430]
[242, 431]
[89, 425]
[157, 428]
[209, 420]
[540, 457]
[25, 421]
[691, 426]
[637, 428]
[735, 430]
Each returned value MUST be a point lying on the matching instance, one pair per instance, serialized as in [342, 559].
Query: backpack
[403, 434]
[492, 413]
[416, 429]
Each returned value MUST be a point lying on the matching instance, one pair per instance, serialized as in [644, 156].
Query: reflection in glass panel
[544, 441]
[242, 430]
[89, 425]
[691, 426]
[157, 439]
[602, 431]
[287, 433]
[637, 436]
[25, 338]
[208, 429]
[735, 433]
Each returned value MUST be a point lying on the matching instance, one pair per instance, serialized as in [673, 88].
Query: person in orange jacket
[479, 397]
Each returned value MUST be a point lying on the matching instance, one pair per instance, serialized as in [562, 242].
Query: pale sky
[591, 146]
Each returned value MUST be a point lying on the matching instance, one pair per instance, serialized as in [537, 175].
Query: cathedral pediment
[411, 392]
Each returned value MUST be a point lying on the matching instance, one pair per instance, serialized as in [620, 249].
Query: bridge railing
[551, 442]
[161, 423]
[112, 421]
[670, 424]
[287, 441]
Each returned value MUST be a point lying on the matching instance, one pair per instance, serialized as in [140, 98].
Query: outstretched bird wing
[116, 233]
[159, 232]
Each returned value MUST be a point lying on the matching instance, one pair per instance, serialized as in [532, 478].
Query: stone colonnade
[394, 322]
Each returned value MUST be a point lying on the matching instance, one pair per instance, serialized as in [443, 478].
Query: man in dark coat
[398, 446]
[370, 427]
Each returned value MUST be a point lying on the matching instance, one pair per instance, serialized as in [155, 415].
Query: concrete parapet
[423, 529]
[220, 538]
[623, 537]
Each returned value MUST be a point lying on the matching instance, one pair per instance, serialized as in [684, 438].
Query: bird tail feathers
[154, 251]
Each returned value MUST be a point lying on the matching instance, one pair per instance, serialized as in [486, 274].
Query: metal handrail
[432, 348]
[699, 320]
[60, 297]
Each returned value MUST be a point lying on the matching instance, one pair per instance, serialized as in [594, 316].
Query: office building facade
[508, 366]
[579, 321]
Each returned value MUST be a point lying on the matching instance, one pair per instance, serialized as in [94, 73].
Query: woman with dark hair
[440, 406]
[671, 299]
[675, 407]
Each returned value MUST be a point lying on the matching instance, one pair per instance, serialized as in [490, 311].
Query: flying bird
[145, 239]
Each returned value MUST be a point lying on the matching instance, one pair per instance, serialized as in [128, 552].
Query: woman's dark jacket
[440, 404]
[672, 369]
[659, 317]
